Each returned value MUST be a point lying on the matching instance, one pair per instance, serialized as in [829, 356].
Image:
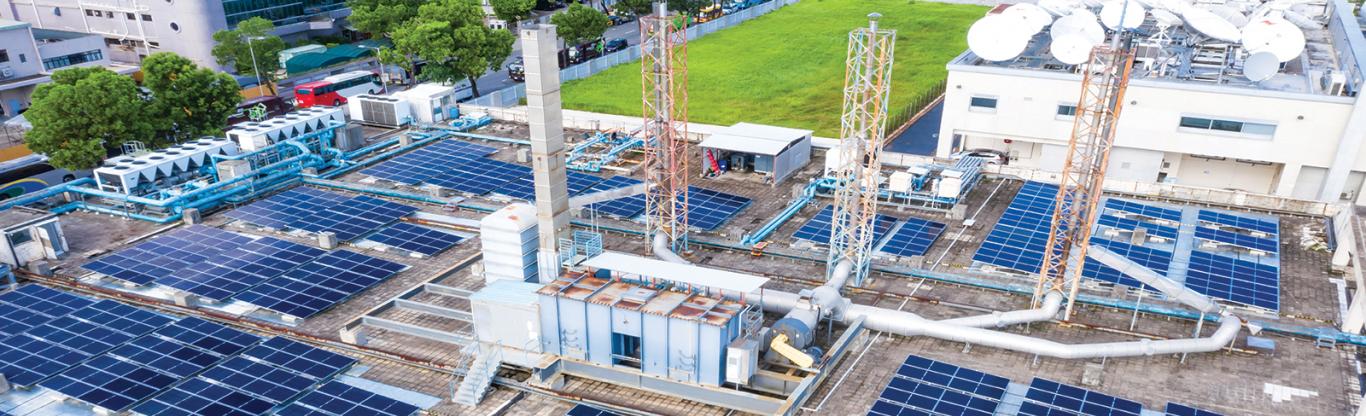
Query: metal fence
[512, 96]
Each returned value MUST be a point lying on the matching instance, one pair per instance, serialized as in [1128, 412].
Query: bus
[335, 89]
[31, 173]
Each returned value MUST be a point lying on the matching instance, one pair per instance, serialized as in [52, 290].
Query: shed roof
[678, 273]
[755, 138]
[310, 61]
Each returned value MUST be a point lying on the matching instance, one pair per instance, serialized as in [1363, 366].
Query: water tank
[510, 243]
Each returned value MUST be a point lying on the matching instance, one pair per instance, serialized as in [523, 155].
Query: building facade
[29, 55]
[1297, 135]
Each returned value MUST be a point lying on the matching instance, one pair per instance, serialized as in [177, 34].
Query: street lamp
[260, 88]
[383, 84]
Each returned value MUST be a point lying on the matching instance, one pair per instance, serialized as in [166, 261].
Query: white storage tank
[510, 244]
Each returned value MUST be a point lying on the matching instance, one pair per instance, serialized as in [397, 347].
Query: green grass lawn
[787, 68]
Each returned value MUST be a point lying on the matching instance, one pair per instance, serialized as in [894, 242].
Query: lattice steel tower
[1105, 77]
[863, 122]
[664, 76]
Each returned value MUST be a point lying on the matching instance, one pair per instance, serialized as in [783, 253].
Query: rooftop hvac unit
[126, 174]
[1333, 83]
[378, 110]
[257, 135]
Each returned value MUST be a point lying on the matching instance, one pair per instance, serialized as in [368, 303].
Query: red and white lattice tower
[664, 94]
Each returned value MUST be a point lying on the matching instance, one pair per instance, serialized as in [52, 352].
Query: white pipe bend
[665, 252]
[1052, 303]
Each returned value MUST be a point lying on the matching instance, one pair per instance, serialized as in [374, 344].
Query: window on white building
[1067, 111]
[983, 104]
[1230, 126]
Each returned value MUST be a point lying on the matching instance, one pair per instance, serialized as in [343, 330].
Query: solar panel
[1156, 259]
[1241, 240]
[1053, 398]
[1018, 239]
[166, 254]
[1238, 221]
[110, 383]
[1151, 211]
[281, 209]
[416, 238]
[913, 238]
[479, 176]
[320, 284]
[55, 346]
[339, 399]
[200, 397]
[233, 271]
[300, 358]
[586, 410]
[818, 228]
[524, 187]
[925, 386]
[1176, 409]
[431, 160]
[354, 217]
[1130, 224]
[262, 380]
[708, 209]
[33, 305]
[1236, 280]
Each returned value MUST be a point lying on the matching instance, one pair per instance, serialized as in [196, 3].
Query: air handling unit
[380, 110]
[169, 166]
[257, 135]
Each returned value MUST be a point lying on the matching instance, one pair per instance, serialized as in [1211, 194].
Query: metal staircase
[479, 377]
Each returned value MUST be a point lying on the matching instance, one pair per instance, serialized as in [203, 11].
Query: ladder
[479, 378]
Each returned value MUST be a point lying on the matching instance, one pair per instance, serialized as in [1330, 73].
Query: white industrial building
[29, 55]
[1191, 116]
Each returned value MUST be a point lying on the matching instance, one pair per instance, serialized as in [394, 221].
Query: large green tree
[190, 101]
[85, 111]
[251, 39]
[512, 11]
[580, 24]
[450, 36]
[689, 7]
[381, 17]
[633, 7]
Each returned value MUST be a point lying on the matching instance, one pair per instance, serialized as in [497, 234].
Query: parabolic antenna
[1060, 7]
[1071, 49]
[997, 38]
[1165, 18]
[1230, 14]
[1174, 6]
[1276, 35]
[1210, 25]
[1260, 66]
[1034, 17]
[1092, 3]
[1130, 11]
[1083, 23]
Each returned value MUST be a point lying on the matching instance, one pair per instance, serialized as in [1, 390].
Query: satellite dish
[1261, 66]
[1174, 6]
[1034, 16]
[1092, 3]
[1060, 7]
[1130, 11]
[1071, 49]
[1165, 18]
[997, 38]
[1276, 35]
[1083, 23]
[1209, 24]
[1230, 14]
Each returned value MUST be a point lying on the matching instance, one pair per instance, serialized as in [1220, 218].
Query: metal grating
[281, 209]
[416, 238]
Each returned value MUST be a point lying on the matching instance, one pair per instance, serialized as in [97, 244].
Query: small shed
[28, 235]
[299, 50]
[774, 152]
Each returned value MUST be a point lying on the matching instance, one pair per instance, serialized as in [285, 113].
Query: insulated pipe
[665, 252]
[46, 193]
[1048, 309]
[1168, 287]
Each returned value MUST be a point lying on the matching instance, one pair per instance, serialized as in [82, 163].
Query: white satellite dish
[1034, 16]
[997, 38]
[1092, 3]
[1230, 14]
[1261, 66]
[1083, 23]
[1165, 18]
[1071, 49]
[1276, 35]
[1130, 11]
[1211, 25]
[1060, 7]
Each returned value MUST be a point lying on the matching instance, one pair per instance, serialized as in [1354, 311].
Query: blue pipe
[792, 209]
[367, 162]
[375, 191]
[367, 149]
[111, 211]
[51, 191]
[490, 138]
[163, 203]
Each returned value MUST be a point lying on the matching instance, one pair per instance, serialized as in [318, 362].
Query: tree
[381, 17]
[688, 7]
[512, 11]
[450, 36]
[580, 24]
[85, 111]
[634, 7]
[190, 101]
[249, 48]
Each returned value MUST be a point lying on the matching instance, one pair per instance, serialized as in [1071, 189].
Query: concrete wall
[23, 54]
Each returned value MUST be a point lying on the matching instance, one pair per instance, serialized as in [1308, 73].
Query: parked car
[993, 157]
[618, 20]
[616, 45]
[259, 108]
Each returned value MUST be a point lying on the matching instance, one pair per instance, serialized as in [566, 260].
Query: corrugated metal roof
[685, 274]
[755, 138]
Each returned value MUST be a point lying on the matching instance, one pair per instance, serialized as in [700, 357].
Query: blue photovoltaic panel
[925, 386]
[1241, 240]
[55, 346]
[415, 238]
[1130, 224]
[300, 358]
[233, 271]
[354, 217]
[110, 383]
[1238, 221]
[586, 410]
[1151, 211]
[914, 238]
[1228, 278]
[1177, 409]
[262, 380]
[1156, 259]
[480, 176]
[33, 305]
[818, 228]
[524, 187]
[320, 284]
[199, 397]
[431, 160]
[625, 207]
[708, 209]
[166, 254]
[281, 209]
[1050, 397]
[1018, 240]
[339, 399]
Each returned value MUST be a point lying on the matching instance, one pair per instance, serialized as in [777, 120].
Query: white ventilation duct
[1168, 287]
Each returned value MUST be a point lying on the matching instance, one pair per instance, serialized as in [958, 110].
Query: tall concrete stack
[547, 143]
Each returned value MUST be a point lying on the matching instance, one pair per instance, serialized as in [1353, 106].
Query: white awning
[755, 139]
[678, 273]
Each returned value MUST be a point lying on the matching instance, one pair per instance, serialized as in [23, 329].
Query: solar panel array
[429, 161]
[1247, 241]
[708, 209]
[586, 410]
[913, 238]
[53, 347]
[320, 284]
[923, 386]
[32, 305]
[354, 217]
[524, 187]
[1018, 240]
[1156, 259]
[166, 254]
[1130, 224]
[1151, 211]
[624, 207]
[1233, 279]
[479, 176]
[281, 209]
[818, 228]
[225, 275]
[1046, 398]
[339, 399]
[1177, 409]
[1238, 221]
[415, 238]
